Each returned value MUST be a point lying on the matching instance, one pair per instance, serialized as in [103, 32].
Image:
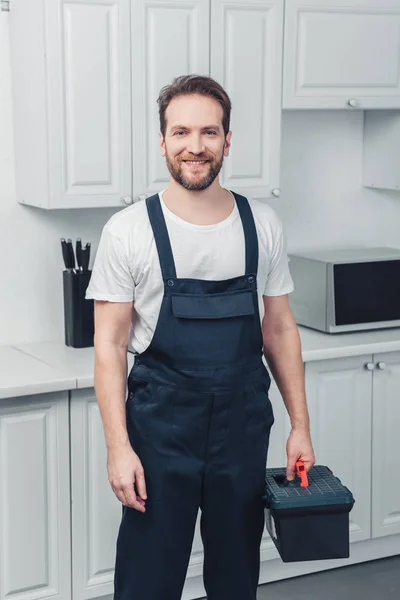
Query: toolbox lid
[324, 489]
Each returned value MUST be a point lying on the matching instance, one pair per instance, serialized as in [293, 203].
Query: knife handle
[85, 255]
[78, 252]
[70, 249]
[66, 255]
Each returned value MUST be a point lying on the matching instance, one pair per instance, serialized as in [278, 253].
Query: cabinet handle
[276, 192]
[381, 365]
[352, 102]
[369, 366]
[127, 199]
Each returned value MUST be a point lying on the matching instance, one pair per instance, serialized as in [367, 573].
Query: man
[196, 278]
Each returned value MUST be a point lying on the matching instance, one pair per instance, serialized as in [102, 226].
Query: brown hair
[189, 85]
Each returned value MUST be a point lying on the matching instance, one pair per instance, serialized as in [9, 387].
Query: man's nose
[196, 144]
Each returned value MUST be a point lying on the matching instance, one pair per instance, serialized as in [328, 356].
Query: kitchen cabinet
[385, 445]
[86, 134]
[276, 456]
[348, 398]
[96, 511]
[168, 39]
[35, 552]
[342, 54]
[246, 58]
[339, 394]
[70, 66]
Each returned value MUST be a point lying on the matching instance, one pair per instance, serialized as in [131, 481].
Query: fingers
[291, 467]
[141, 484]
[127, 496]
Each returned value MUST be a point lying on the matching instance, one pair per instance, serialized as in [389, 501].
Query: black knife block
[78, 312]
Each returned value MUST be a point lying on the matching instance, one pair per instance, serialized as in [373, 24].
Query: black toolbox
[308, 518]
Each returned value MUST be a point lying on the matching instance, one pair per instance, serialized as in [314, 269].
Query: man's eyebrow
[175, 127]
[178, 127]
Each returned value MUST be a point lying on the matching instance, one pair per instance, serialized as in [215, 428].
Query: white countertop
[51, 366]
[320, 346]
[22, 374]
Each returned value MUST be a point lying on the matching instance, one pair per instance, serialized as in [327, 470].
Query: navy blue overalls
[199, 418]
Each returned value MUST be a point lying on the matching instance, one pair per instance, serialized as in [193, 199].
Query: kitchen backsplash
[322, 204]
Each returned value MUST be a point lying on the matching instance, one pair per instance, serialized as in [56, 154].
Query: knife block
[78, 312]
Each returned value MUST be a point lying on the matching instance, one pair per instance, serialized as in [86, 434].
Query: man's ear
[162, 144]
[227, 143]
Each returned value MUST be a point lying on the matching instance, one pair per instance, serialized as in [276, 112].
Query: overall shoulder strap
[250, 234]
[161, 237]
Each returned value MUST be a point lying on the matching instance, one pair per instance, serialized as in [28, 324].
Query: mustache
[197, 157]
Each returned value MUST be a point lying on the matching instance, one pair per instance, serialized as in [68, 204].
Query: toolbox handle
[302, 473]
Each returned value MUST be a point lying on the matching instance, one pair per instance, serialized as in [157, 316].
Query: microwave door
[366, 293]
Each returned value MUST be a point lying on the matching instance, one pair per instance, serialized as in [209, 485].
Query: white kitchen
[315, 89]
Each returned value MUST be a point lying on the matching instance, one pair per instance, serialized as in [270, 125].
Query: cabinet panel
[339, 394]
[246, 58]
[168, 39]
[276, 455]
[34, 498]
[385, 444]
[364, 67]
[96, 512]
[89, 112]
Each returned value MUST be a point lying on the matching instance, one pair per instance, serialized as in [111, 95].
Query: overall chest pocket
[212, 329]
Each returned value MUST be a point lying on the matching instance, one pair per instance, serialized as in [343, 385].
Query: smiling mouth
[195, 162]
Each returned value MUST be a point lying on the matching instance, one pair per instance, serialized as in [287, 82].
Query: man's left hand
[299, 447]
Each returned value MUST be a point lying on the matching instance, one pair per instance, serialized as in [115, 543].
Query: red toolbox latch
[302, 473]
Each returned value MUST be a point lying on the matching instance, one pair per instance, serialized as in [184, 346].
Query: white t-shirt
[127, 267]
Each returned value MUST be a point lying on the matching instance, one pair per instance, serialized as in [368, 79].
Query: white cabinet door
[35, 553]
[96, 512]
[276, 456]
[89, 116]
[246, 58]
[342, 54]
[168, 39]
[385, 445]
[339, 394]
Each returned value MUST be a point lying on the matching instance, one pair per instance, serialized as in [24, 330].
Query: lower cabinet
[339, 394]
[96, 511]
[276, 456]
[385, 445]
[355, 415]
[35, 551]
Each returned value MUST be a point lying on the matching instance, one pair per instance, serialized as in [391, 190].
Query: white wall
[322, 204]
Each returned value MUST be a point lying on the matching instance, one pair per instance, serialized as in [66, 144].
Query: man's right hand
[126, 476]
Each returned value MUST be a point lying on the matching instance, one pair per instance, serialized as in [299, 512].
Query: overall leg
[168, 429]
[232, 518]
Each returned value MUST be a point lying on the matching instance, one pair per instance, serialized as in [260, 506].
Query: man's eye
[179, 133]
[211, 132]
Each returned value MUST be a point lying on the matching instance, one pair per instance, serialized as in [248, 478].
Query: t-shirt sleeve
[279, 280]
[111, 277]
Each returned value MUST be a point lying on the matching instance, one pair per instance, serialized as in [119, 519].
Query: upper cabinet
[342, 54]
[246, 58]
[86, 77]
[71, 99]
[168, 39]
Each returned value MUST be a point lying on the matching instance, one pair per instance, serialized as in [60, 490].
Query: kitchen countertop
[52, 366]
[320, 346]
[21, 374]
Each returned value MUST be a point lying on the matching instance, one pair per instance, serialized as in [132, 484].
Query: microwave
[346, 290]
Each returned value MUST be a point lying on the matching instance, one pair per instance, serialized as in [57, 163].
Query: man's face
[194, 143]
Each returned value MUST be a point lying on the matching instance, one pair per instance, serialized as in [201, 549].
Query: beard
[194, 181]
